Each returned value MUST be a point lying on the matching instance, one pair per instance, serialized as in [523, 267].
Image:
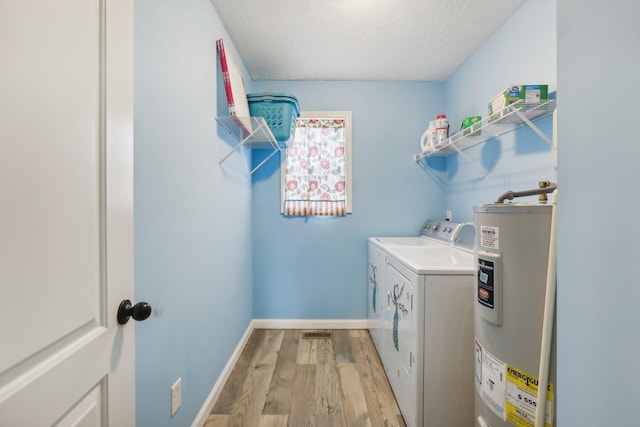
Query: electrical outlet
[176, 396]
[449, 216]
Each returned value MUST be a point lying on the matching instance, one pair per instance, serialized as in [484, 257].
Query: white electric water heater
[511, 256]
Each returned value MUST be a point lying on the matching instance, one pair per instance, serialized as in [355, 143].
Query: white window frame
[346, 116]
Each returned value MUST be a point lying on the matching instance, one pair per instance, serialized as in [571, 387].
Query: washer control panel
[440, 229]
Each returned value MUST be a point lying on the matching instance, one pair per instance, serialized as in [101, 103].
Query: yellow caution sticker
[522, 400]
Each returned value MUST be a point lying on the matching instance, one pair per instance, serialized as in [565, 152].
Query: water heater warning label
[491, 380]
[489, 237]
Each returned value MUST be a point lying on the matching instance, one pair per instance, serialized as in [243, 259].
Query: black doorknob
[140, 311]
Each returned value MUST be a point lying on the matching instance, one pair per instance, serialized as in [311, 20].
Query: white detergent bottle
[427, 141]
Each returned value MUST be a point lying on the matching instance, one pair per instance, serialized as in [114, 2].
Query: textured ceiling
[359, 39]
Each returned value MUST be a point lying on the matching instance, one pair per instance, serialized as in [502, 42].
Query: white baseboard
[310, 323]
[201, 418]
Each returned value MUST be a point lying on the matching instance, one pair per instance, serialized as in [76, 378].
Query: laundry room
[216, 255]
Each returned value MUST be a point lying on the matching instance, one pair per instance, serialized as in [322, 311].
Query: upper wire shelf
[499, 123]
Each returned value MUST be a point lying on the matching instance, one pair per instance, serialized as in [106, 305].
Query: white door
[66, 220]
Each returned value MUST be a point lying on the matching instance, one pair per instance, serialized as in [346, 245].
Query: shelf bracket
[535, 128]
[480, 170]
[264, 161]
[236, 148]
[423, 164]
[259, 136]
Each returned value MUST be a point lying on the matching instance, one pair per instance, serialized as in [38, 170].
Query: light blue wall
[522, 51]
[317, 268]
[200, 229]
[192, 219]
[598, 234]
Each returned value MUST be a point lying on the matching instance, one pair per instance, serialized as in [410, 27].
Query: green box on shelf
[471, 125]
[534, 94]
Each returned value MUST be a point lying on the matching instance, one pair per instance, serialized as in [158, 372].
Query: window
[316, 169]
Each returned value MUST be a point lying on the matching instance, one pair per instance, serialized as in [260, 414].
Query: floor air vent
[318, 335]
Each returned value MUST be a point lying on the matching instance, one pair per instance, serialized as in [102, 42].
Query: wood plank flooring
[283, 379]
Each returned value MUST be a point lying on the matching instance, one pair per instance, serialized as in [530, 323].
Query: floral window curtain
[315, 169]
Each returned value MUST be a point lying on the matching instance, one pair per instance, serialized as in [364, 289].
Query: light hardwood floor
[284, 379]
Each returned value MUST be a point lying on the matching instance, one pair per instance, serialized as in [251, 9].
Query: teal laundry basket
[279, 110]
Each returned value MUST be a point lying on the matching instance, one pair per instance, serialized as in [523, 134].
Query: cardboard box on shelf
[529, 94]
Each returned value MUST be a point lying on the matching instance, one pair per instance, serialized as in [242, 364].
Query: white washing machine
[434, 233]
[422, 324]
